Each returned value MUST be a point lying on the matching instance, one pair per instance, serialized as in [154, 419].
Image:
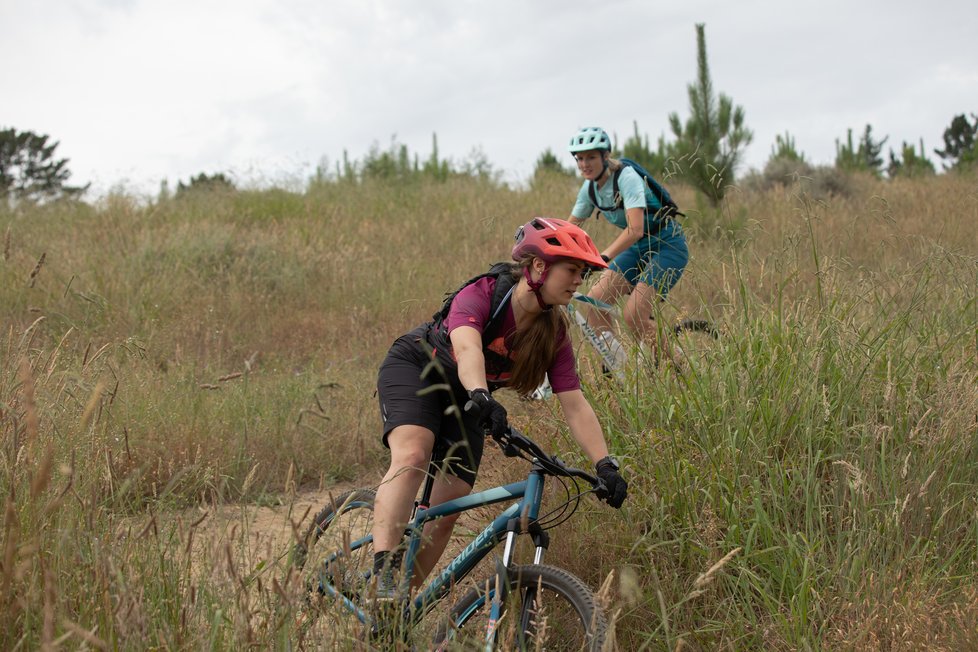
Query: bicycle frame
[608, 347]
[604, 347]
[519, 518]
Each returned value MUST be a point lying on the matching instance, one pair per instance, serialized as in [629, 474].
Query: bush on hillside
[819, 181]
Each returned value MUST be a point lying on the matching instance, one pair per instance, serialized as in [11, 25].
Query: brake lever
[505, 445]
[601, 489]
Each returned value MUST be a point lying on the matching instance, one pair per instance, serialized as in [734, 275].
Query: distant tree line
[706, 150]
[395, 163]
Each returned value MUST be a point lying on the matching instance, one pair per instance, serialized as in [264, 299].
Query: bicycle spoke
[333, 551]
[547, 609]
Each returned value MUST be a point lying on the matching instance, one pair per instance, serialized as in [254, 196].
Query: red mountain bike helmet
[553, 239]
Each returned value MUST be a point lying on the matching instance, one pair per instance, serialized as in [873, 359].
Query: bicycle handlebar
[514, 442]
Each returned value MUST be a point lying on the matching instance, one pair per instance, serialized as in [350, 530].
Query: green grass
[221, 351]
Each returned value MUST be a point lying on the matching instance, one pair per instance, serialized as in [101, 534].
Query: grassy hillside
[221, 349]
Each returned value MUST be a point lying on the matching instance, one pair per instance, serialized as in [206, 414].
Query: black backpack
[505, 284]
[666, 208]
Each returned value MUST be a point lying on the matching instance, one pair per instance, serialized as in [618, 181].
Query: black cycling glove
[615, 486]
[492, 415]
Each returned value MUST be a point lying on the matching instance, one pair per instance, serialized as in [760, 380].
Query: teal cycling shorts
[658, 265]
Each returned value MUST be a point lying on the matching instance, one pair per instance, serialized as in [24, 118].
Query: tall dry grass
[808, 483]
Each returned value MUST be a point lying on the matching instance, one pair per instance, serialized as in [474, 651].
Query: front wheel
[694, 346]
[544, 608]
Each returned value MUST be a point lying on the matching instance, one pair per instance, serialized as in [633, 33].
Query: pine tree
[29, 170]
[548, 163]
[711, 142]
[205, 183]
[784, 149]
[637, 148]
[434, 168]
[911, 164]
[960, 143]
[866, 156]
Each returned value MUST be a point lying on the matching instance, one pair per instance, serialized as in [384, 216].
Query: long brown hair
[535, 348]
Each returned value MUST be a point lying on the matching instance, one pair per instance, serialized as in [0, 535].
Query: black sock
[388, 559]
[381, 559]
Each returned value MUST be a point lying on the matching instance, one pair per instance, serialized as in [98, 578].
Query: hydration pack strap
[502, 304]
[667, 211]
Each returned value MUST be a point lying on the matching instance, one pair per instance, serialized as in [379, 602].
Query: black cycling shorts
[459, 440]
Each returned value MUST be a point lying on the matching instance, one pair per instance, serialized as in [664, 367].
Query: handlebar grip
[472, 406]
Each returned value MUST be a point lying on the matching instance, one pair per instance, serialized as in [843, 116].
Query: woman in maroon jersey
[481, 347]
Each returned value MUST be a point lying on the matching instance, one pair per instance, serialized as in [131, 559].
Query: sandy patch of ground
[244, 540]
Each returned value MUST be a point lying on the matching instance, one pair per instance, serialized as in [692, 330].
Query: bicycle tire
[345, 519]
[567, 617]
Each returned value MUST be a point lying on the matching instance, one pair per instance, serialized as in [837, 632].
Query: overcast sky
[138, 91]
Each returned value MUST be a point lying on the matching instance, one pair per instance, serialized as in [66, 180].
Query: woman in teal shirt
[649, 255]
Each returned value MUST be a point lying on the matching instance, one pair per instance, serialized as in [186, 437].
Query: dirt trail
[242, 539]
[233, 541]
[264, 526]
[253, 534]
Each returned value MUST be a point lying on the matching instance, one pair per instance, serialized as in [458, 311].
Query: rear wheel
[337, 550]
[696, 326]
[693, 345]
[544, 608]
[334, 547]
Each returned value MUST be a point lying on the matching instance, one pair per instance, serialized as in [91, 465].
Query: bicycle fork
[541, 541]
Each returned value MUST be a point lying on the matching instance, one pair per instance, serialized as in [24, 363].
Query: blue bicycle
[533, 606]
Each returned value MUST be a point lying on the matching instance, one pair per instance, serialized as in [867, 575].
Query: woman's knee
[610, 287]
[636, 313]
[601, 290]
[639, 310]
[410, 448]
[636, 324]
[409, 459]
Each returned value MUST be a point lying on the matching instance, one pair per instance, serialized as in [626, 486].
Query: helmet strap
[536, 285]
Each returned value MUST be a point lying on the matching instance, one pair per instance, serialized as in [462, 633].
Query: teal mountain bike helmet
[589, 138]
